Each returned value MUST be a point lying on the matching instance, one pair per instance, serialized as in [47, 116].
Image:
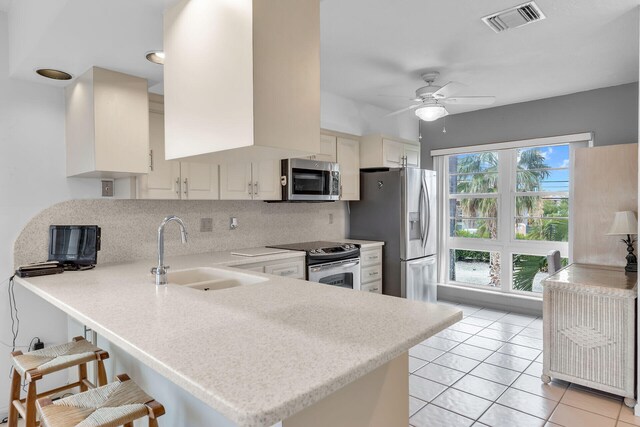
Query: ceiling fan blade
[393, 113]
[470, 100]
[407, 98]
[448, 90]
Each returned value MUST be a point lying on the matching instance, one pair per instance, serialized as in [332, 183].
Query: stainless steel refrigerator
[398, 206]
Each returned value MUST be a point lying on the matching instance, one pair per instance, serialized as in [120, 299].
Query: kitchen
[260, 224]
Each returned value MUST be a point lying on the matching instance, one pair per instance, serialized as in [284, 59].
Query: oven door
[344, 274]
[311, 180]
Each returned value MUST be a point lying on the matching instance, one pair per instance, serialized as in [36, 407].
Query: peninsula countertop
[256, 353]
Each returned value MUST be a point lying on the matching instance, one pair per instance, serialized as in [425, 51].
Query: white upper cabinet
[171, 179]
[242, 75]
[107, 125]
[327, 148]
[199, 181]
[348, 156]
[258, 180]
[378, 151]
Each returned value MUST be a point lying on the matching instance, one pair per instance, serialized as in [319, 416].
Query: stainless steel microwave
[305, 180]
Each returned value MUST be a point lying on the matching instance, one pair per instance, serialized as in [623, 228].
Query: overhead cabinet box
[107, 125]
[242, 75]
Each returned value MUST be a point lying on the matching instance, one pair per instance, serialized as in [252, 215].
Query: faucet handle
[162, 270]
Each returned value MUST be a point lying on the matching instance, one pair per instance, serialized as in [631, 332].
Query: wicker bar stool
[32, 366]
[115, 404]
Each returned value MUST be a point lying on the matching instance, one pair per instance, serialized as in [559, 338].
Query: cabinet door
[199, 181]
[393, 152]
[266, 180]
[375, 287]
[160, 182]
[348, 155]
[293, 269]
[370, 257]
[327, 148]
[412, 152]
[235, 181]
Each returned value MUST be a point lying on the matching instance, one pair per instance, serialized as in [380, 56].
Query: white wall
[32, 177]
[341, 114]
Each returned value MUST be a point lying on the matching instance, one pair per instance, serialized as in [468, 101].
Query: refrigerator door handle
[421, 213]
[428, 209]
[424, 213]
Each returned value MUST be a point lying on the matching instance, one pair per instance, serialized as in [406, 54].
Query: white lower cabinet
[371, 269]
[250, 180]
[372, 287]
[293, 267]
[171, 179]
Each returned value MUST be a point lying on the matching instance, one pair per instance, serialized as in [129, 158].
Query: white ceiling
[381, 47]
[369, 47]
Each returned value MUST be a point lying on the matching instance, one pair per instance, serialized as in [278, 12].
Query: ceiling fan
[432, 99]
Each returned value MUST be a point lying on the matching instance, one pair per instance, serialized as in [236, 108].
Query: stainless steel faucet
[161, 270]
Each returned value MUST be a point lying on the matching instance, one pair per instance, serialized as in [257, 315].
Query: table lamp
[626, 223]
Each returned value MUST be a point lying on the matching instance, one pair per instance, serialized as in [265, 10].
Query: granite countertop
[256, 353]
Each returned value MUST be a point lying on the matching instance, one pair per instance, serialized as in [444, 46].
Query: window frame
[506, 243]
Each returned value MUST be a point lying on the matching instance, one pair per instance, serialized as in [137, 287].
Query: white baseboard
[498, 301]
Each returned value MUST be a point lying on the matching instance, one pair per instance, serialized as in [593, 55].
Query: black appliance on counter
[74, 246]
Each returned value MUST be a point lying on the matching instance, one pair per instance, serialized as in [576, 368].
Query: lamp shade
[624, 223]
[432, 112]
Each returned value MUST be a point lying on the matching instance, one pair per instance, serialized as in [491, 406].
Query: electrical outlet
[206, 225]
[330, 218]
[107, 188]
[233, 223]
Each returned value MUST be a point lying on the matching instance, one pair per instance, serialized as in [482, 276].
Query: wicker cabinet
[589, 328]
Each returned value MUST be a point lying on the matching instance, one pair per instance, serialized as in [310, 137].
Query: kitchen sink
[212, 279]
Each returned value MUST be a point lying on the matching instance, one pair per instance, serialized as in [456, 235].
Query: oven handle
[351, 264]
[334, 265]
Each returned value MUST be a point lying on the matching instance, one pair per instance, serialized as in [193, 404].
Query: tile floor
[485, 371]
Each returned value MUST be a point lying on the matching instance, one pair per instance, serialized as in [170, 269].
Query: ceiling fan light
[429, 113]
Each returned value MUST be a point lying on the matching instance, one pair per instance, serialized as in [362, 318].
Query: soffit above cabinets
[368, 47]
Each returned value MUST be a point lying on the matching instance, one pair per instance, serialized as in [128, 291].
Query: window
[506, 209]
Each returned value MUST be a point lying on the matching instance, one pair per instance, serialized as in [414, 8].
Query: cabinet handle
[186, 187]
[250, 188]
[178, 186]
[255, 188]
[151, 160]
[373, 273]
[373, 290]
[287, 272]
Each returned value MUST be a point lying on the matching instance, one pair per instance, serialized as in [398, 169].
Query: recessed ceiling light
[50, 73]
[156, 56]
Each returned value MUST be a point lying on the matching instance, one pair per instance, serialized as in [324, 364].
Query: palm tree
[478, 174]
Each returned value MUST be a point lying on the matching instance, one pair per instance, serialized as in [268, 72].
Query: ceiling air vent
[514, 17]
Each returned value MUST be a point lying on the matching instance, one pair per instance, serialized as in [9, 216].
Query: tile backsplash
[129, 227]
